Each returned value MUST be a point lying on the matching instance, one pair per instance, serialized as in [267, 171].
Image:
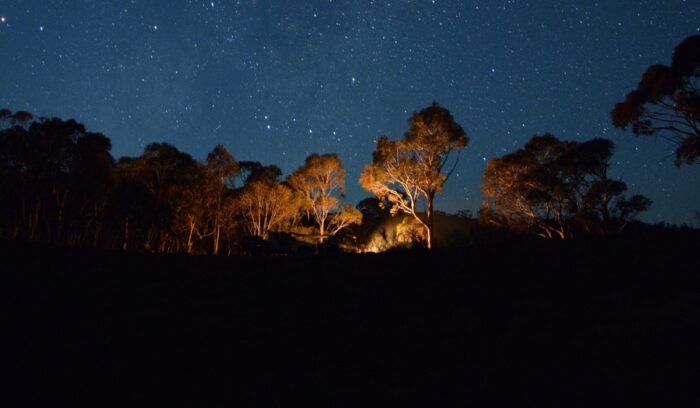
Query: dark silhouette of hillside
[608, 321]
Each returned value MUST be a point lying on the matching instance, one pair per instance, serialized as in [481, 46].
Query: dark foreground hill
[581, 323]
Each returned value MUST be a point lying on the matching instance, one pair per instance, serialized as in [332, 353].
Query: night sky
[276, 80]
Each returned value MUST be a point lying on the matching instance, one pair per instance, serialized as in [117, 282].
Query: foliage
[666, 102]
[409, 231]
[320, 181]
[163, 193]
[347, 216]
[403, 172]
[265, 205]
[60, 184]
[53, 177]
[221, 168]
[252, 170]
[552, 187]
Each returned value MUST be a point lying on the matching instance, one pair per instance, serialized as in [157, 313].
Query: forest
[61, 185]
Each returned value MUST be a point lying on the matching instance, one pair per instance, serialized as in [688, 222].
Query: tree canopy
[266, 205]
[321, 181]
[553, 187]
[50, 170]
[60, 184]
[666, 102]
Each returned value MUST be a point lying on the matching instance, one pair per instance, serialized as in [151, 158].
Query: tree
[252, 170]
[192, 206]
[53, 175]
[163, 198]
[666, 102]
[320, 180]
[265, 206]
[92, 182]
[403, 172]
[552, 187]
[221, 168]
[373, 214]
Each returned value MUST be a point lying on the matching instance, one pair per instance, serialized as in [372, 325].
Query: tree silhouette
[167, 182]
[666, 102]
[252, 171]
[320, 180]
[221, 168]
[404, 171]
[552, 186]
[92, 182]
[130, 206]
[53, 174]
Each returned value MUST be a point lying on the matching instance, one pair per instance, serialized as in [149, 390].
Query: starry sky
[275, 80]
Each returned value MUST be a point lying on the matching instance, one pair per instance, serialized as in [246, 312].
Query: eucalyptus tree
[404, 172]
[666, 102]
[553, 187]
[321, 182]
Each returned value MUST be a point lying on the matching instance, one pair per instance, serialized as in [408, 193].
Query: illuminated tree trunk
[217, 232]
[190, 235]
[126, 234]
[429, 221]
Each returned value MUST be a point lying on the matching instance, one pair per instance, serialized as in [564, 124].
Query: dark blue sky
[276, 80]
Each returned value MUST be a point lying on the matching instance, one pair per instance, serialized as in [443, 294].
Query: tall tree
[667, 102]
[92, 182]
[191, 204]
[166, 180]
[403, 172]
[264, 204]
[221, 168]
[53, 174]
[552, 187]
[321, 181]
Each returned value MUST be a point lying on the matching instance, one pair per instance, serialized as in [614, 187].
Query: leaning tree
[406, 171]
[667, 102]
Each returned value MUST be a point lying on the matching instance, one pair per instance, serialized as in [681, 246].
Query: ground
[609, 322]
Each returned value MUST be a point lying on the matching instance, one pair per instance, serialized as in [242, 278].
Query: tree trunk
[34, 225]
[190, 235]
[217, 234]
[126, 234]
[99, 220]
[429, 219]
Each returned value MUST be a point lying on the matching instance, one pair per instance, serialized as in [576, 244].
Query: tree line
[60, 184]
